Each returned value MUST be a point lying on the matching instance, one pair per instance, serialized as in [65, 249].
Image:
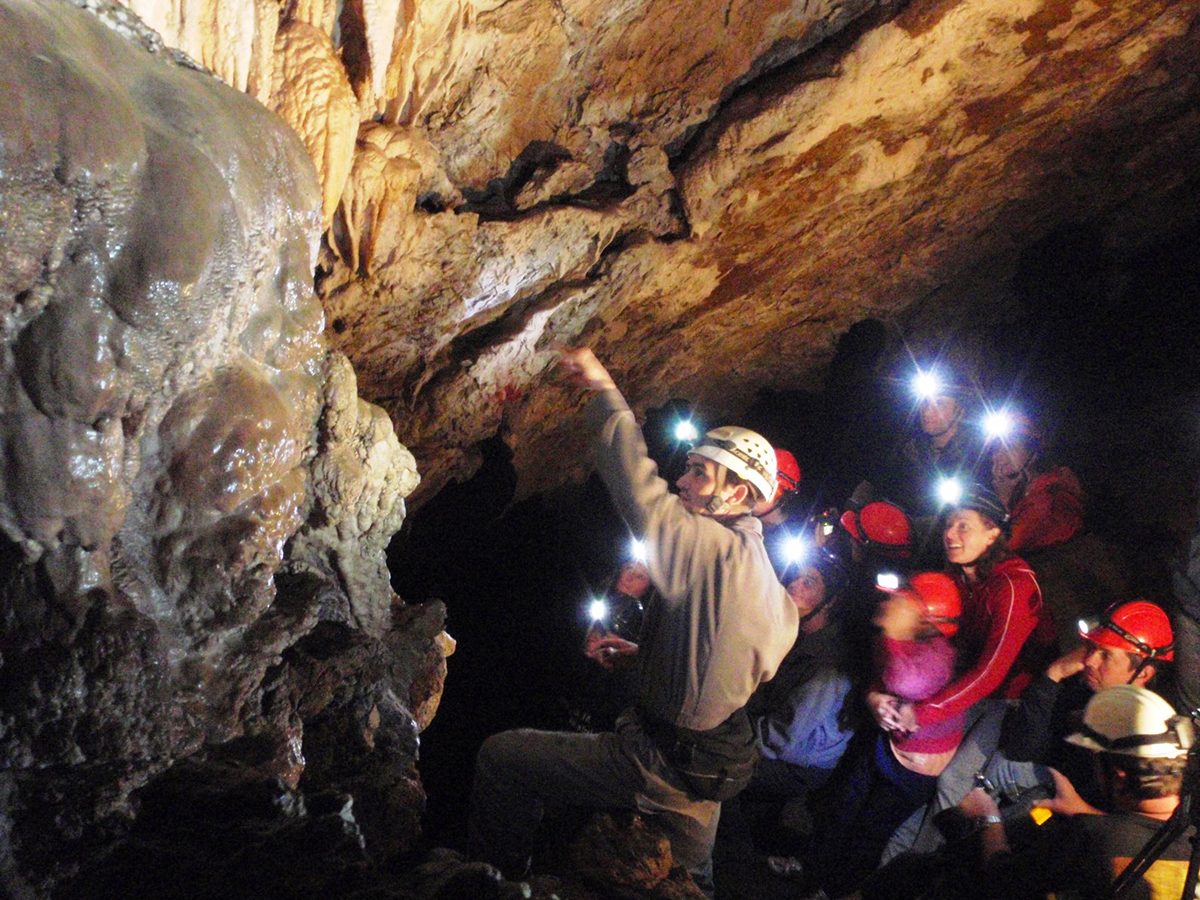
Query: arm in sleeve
[1027, 733]
[802, 728]
[1012, 622]
[674, 536]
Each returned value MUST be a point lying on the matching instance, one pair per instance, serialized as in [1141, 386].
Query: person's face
[807, 589]
[1106, 667]
[1009, 461]
[698, 483]
[967, 537]
[900, 614]
[633, 580]
[939, 415]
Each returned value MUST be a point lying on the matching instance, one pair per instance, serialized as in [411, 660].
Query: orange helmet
[942, 598]
[880, 526]
[939, 594]
[1139, 627]
[787, 474]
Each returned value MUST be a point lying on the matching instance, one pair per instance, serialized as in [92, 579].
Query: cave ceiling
[707, 192]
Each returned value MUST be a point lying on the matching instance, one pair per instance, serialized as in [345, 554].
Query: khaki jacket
[722, 622]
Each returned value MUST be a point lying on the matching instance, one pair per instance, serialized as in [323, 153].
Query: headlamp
[795, 549]
[1088, 627]
[998, 425]
[637, 550]
[620, 615]
[949, 491]
[686, 432]
[598, 609]
[926, 384]
[887, 581]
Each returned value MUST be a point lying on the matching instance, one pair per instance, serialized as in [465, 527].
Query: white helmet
[745, 453]
[1133, 721]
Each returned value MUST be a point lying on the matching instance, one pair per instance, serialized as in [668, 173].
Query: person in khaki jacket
[719, 625]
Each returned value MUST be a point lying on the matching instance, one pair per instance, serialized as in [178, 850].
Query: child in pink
[897, 775]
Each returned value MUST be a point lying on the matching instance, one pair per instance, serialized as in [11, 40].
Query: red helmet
[1139, 627]
[880, 526]
[939, 594]
[787, 474]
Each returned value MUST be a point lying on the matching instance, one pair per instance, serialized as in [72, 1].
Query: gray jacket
[722, 623]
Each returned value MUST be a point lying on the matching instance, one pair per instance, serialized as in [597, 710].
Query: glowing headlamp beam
[949, 491]
[888, 581]
[795, 550]
[998, 425]
[598, 610]
[686, 432]
[637, 550]
[926, 384]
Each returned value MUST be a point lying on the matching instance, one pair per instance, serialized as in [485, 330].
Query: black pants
[867, 801]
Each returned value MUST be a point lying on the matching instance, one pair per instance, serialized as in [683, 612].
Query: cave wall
[710, 193]
[194, 500]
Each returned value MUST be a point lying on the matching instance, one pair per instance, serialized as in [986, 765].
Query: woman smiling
[1006, 634]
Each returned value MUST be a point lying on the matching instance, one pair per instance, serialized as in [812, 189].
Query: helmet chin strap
[716, 504]
[825, 601]
[1146, 660]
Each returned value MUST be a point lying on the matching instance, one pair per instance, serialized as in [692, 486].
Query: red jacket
[1049, 513]
[1005, 635]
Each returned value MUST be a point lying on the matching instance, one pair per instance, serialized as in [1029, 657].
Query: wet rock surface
[194, 501]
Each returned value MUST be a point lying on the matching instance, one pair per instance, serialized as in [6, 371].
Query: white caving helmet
[745, 453]
[1133, 721]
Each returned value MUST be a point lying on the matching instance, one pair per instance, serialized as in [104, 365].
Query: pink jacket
[914, 671]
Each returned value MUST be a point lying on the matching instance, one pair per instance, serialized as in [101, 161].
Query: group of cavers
[883, 697]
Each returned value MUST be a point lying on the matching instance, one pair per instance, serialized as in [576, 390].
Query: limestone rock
[368, 32]
[360, 477]
[311, 92]
[732, 182]
[624, 855]
[233, 38]
[173, 426]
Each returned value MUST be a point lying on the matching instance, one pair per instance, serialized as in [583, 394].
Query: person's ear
[1143, 677]
[739, 494]
[993, 533]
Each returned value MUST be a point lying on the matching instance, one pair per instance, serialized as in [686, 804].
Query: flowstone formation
[194, 501]
[709, 192]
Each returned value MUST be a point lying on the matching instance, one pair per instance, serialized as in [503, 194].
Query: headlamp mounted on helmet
[1132, 721]
[1138, 627]
[744, 453]
[1180, 733]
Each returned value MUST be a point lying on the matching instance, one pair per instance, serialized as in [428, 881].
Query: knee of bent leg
[499, 753]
